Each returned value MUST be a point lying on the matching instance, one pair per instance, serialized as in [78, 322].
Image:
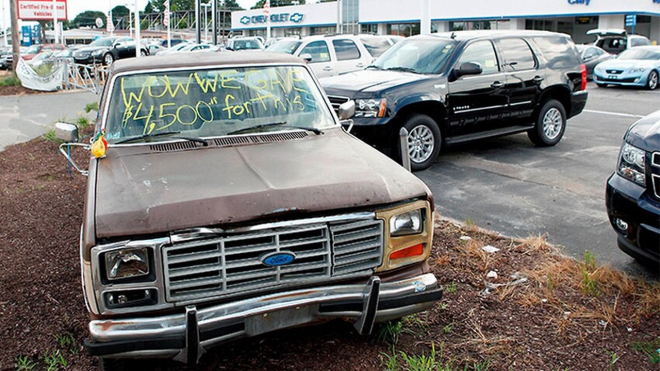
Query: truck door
[321, 62]
[474, 101]
[523, 78]
[349, 57]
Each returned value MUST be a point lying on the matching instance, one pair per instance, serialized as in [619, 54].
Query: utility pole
[198, 10]
[214, 19]
[15, 41]
[57, 39]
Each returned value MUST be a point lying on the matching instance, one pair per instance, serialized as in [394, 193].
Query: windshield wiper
[402, 69]
[147, 138]
[280, 123]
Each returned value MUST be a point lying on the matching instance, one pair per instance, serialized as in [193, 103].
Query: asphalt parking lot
[510, 186]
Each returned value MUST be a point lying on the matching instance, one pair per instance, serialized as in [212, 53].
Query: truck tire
[550, 124]
[424, 141]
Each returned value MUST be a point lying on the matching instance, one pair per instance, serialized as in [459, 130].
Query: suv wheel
[108, 58]
[424, 141]
[652, 81]
[550, 124]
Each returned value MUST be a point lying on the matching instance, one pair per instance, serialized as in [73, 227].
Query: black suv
[455, 87]
[633, 192]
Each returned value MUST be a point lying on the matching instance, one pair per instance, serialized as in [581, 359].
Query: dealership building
[396, 17]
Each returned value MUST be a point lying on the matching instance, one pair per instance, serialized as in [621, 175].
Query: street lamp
[206, 24]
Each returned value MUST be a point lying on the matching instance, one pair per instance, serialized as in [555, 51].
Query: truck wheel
[108, 58]
[424, 141]
[110, 364]
[652, 81]
[550, 124]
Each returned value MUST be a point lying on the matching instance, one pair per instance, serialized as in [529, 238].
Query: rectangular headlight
[408, 234]
[632, 164]
[410, 222]
[125, 263]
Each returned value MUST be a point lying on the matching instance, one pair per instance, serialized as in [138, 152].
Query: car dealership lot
[514, 188]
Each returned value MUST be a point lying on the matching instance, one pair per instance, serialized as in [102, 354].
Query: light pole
[206, 24]
[138, 45]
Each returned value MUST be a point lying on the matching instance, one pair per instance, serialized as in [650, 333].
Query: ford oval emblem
[276, 259]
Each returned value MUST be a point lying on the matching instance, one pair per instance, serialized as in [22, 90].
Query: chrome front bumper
[186, 336]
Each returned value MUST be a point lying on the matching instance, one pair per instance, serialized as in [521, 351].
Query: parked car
[35, 49]
[450, 88]
[106, 50]
[592, 55]
[164, 44]
[191, 47]
[615, 41]
[639, 66]
[303, 223]
[335, 54]
[633, 192]
[173, 49]
[244, 43]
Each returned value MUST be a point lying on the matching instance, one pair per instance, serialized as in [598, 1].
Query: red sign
[40, 10]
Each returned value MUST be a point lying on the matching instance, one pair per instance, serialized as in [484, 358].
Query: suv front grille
[655, 173]
[228, 265]
[337, 101]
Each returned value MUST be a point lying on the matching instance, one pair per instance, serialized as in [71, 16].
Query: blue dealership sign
[274, 18]
[583, 2]
[631, 20]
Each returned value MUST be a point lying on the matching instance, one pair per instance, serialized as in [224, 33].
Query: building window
[369, 29]
[403, 29]
[292, 32]
[323, 30]
[479, 25]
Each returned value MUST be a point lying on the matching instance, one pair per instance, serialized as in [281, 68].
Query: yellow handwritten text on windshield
[158, 102]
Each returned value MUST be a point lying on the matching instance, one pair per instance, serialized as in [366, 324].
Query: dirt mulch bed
[541, 312]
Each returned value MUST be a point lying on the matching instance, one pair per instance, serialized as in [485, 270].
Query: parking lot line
[613, 113]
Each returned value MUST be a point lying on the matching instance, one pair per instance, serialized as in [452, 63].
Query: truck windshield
[427, 56]
[214, 102]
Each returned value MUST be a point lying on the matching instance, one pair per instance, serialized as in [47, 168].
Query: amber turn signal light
[415, 250]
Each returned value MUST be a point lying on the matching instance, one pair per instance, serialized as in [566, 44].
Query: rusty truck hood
[143, 191]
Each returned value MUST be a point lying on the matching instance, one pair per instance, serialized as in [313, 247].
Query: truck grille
[227, 265]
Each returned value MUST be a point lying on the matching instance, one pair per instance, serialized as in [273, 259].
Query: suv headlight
[370, 107]
[125, 263]
[631, 164]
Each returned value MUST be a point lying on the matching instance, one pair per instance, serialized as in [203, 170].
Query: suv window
[375, 46]
[417, 55]
[482, 53]
[517, 54]
[345, 49]
[318, 50]
[557, 51]
[638, 41]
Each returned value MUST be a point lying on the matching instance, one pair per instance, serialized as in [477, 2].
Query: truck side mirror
[346, 110]
[467, 68]
[306, 57]
[66, 132]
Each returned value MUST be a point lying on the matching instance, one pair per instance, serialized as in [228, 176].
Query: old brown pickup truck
[227, 201]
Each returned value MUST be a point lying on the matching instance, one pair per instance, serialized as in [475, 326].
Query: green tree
[158, 6]
[118, 13]
[87, 18]
[275, 3]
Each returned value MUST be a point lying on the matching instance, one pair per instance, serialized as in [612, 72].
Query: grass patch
[24, 363]
[11, 80]
[648, 348]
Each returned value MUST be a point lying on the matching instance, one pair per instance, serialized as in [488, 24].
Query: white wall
[611, 21]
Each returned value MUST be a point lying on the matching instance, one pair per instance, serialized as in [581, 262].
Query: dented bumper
[186, 336]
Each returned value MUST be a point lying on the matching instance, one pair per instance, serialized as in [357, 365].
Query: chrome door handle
[496, 84]
[327, 68]
[359, 65]
[537, 79]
